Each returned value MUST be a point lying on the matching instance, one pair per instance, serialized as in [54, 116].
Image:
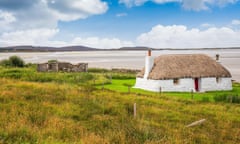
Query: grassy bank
[115, 81]
[65, 108]
[121, 85]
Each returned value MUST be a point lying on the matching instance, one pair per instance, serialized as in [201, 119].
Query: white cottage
[183, 73]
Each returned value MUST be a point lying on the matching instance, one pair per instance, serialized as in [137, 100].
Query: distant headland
[29, 48]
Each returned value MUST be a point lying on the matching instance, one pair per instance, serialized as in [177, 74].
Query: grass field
[121, 85]
[67, 108]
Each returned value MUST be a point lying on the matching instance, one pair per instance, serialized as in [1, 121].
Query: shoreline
[127, 59]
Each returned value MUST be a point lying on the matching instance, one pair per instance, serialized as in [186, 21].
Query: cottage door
[196, 84]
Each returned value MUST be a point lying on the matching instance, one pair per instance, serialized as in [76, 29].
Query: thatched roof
[185, 66]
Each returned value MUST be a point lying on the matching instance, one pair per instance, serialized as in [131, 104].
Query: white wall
[149, 61]
[184, 85]
[166, 85]
[210, 84]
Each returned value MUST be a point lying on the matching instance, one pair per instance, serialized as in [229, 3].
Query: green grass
[119, 85]
[115, 81]
[30, 74]
[61, 108]
[33, 112]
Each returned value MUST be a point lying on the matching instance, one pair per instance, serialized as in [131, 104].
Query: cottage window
[218, 80]
[176, 81]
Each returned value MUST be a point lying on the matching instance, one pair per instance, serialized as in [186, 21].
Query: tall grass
[30, 74]
[33, 112]
[68, 108]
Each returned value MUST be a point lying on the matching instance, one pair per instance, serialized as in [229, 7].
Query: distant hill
[134, 48]
[27, 48]
[45, 49]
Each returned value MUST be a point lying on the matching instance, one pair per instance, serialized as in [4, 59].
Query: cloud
[45, 37]
[175, 36]
[235, 22]
[28, 37]
[121, 14]
[16, 4]
[35, 14]
[130, 3]
[76, 9]
[196, 5]
[179, 36]
[207, 25]
[6, 18]
[104, 43]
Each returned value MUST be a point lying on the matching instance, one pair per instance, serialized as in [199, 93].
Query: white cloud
[235, 22]
[179, 36]
[175, 36]
[44, 37]
[5, 19]
[37, 14]
[121, 14]
[204, 4]
[76, 9]
[196, 5]
[104, 43]
[28, 37]
[207, 25]
[130, 3]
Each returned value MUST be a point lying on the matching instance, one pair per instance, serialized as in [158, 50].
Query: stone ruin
[62, 66]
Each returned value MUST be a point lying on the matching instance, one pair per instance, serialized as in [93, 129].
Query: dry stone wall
[62, 66]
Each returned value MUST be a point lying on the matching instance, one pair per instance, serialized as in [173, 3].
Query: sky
[120, 23]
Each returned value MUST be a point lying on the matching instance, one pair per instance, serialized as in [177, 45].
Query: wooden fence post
[160, 91]
[111, 75]
[192, 93]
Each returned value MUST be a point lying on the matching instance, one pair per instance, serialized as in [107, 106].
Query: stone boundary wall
[62, 66]
[122, 70]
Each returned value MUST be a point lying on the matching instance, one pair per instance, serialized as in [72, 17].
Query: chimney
[149, 52]
[148, 64]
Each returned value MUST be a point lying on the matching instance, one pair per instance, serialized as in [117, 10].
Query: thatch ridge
[185, 66]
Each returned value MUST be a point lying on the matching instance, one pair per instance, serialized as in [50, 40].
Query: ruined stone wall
[53, 67]
[42, 67]
[81, 67]
[62, 66]
[65, 67]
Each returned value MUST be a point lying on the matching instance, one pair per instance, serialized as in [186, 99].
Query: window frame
[176, 81]
[218, 79]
